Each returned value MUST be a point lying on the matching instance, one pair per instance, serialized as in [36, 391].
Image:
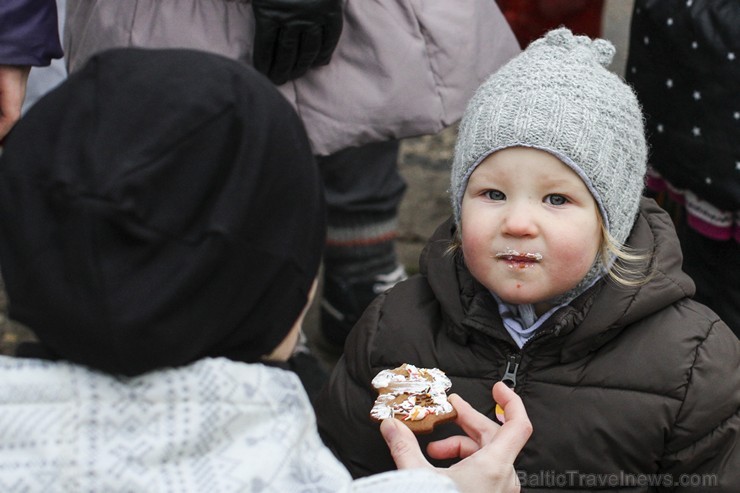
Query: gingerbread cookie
[416, 396]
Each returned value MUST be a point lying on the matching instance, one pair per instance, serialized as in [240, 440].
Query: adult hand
[13, 79]
[292, 36]
[487, 453]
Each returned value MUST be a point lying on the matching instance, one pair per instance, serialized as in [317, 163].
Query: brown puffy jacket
[625, 386]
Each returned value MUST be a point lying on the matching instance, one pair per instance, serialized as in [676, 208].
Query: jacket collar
[616, 307]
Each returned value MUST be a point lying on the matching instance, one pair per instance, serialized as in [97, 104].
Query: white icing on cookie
[425, 391]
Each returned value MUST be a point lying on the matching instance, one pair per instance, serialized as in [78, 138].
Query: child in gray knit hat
[554, 120]
[555, 275]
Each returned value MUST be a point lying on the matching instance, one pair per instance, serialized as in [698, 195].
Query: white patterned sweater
[213, 426]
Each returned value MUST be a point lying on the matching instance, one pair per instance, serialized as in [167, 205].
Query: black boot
[344, 301]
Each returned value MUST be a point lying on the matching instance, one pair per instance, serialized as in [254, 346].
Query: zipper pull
[512, 366]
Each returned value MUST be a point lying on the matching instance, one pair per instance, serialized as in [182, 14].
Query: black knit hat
[158, 207]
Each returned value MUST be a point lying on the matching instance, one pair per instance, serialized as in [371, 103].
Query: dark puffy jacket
[620, 385]
[29, 34]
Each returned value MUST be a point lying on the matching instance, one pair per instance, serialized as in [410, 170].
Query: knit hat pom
[604, 51]
[601, 50]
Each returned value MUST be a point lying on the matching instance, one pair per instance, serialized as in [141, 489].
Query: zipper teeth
[538, 335]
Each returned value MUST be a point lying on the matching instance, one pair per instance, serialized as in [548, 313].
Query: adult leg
[713, 265]
[364, 190]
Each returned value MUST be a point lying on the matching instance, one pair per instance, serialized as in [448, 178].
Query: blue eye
[556, 199]
[495, 195]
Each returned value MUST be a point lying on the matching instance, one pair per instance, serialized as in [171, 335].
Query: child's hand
[488, 452]
[13, 81]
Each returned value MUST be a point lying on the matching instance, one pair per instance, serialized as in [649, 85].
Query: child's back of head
[156, 208]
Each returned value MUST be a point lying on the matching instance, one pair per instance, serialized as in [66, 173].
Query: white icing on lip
[418, 385]
[511, 254]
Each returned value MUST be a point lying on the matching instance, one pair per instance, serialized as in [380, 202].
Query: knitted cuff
[363, 249]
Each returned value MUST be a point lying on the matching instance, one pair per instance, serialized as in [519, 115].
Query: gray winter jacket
[628, 389]
[402, 67]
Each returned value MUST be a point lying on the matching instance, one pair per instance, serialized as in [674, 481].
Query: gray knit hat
[558, 96]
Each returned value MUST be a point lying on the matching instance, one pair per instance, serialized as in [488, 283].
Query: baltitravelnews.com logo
[579, 479]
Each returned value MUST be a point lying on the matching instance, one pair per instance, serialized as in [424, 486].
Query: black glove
[292, 36]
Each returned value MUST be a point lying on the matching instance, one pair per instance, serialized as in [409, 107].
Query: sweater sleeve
[29, 33]
[404, 482]
[703, 452]
[343, 408]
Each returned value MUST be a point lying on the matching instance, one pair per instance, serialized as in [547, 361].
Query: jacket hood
[590, 320]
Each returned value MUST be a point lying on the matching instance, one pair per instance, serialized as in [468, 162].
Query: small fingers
[452, 447]
[5, 125]
[517, 429]
[509, 401]
[403, 445]
[476, 425]
[13, 81]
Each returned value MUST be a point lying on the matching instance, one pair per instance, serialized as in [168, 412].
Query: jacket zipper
[512, 366]
[515, 358]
